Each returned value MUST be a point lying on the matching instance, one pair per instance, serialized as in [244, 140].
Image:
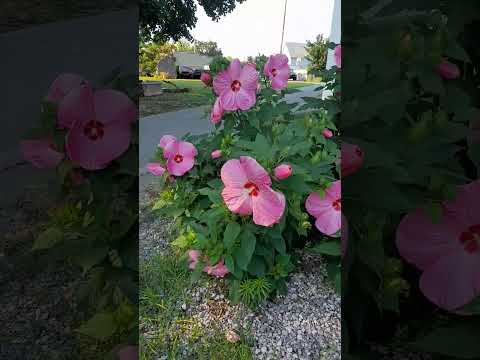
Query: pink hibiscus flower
[218, 270]
[99, 125]
[351, 158]
[448, 70]
[236, 86]
[448, 252]
[217, 112]
[180, 157]
[62, 85]
[337, 55]
[327, 211]
[248, 191]
[155, 168]
[278, 71]
[41, 153]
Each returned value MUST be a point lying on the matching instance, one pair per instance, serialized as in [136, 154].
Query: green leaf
[257, 266]
[459, 341]
[229, 263]
[89, 257]
[101, 326]
[48, 238]
[63, 169]
[244, 253]
[279, 244]
[331, 248]
[297, 183]
[231, 233]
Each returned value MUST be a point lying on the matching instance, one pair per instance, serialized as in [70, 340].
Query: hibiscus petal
[171, 149]
[165, 140]
[40, 154]
[62, 85]
[234, 69]
[228, 100]
[222, 82]
[245, 99]
[452, 281]
[77, 106]
[278, 83]
[254, 171]
[219, 270]
[249, 78]
[329, 222]
[155, 169]
[334, 191]
[268, 206]
[315, 205]
[233, 174]
[181, 168]
[187, 149]
[237, 200]
[422, 242]
[279, 60]
[113, 106]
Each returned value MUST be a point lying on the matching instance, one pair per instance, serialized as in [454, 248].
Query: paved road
[178, 123]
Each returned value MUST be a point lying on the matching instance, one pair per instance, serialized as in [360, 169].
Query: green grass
[165, 328]
[198, 95]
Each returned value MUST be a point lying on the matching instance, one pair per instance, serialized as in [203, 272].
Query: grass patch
[198, 95]
[164, 328]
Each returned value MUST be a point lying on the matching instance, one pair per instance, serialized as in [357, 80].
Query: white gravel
[303, 325]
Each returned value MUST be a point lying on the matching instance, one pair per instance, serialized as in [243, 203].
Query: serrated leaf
[279, 244]
[90, 257]
[48, 239]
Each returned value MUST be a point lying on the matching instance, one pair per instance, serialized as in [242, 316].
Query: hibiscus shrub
[87, 135]
[239, 194]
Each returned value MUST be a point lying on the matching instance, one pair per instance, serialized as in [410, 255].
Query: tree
[184, 45]
[151, 54]
[208, 48]
[317, 54]
[163, 20]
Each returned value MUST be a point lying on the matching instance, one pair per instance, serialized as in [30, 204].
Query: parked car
[184, 72]
[196, 73]
[293, 75]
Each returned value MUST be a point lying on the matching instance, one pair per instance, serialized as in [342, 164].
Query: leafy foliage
[317, 55]
[163, 20]
[254, 291]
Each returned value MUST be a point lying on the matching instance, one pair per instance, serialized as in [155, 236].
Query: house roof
[296, 50]
[184, 58]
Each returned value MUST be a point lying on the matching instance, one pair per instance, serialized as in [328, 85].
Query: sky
[255, 26]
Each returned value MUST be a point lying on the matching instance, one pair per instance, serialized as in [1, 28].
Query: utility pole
[283, 28]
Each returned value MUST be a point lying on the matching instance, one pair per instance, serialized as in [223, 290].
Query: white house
[297, 53]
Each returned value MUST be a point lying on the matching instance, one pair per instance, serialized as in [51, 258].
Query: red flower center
[252, 188]
[358, 152]
[178, 158]
[470, 239]
[274, 72]
[94, 130]
[236, 85]
[337, 204]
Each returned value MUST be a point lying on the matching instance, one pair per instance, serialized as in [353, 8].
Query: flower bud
[448, 70]
[282, 171]
[206, 79]
[216, 154]
[327, 133]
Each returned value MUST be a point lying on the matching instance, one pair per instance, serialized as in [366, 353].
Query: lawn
[198, 95]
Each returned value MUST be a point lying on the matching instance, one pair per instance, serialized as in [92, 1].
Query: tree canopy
[317, 54]
[163, 20]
